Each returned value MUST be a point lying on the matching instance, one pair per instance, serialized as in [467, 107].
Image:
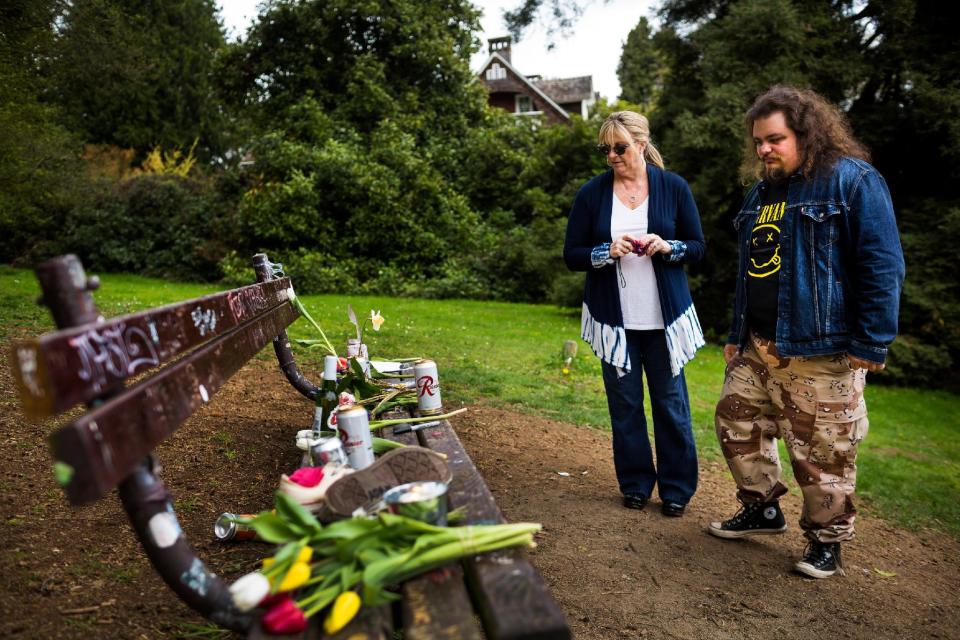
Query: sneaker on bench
[400, 466]
[753, 519]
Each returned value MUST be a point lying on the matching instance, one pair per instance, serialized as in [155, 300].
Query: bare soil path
[78, 573]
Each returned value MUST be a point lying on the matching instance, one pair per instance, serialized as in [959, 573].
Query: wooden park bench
[144, 374]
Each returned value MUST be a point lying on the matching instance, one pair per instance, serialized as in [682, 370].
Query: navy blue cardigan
[672, 215]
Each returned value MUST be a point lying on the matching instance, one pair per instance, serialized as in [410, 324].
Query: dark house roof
[563, 90]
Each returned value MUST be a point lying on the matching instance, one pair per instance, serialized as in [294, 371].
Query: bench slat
[436, 605]
[104, 446]
[62, 369]
[511, 596]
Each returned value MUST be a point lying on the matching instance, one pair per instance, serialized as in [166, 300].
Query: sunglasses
[620, 148]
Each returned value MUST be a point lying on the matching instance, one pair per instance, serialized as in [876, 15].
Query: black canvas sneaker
[820, 560]
[753, 519]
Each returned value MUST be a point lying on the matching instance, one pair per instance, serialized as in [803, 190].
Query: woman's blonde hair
[634, 126]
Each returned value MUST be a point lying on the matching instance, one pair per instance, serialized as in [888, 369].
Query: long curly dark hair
[823, 132]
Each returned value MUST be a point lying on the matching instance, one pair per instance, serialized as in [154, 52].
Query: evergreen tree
[640, 70]
[138, 74]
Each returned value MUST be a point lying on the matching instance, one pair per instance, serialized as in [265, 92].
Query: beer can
[327, 451]
[355, 349]
[226, 530]
[428, 387]
[354, 427]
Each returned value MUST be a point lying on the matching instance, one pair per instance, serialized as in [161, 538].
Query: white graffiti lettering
[116, 352]
[28, 370]
[196, 577]
[204, 320]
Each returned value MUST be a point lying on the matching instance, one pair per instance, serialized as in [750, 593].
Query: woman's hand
[621, 246]
[654, 244]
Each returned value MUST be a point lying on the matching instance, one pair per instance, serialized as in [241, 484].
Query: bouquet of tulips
[350, 563]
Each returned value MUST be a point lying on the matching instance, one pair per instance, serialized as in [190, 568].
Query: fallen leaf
[885, 574]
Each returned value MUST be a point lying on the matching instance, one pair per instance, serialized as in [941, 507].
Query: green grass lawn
[510, 355]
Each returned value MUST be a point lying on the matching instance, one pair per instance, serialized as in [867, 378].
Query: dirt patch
[79, 573]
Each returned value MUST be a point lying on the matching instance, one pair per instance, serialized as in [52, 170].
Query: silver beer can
[226, 530]
[328, 451]
[354, 427]
[428, 387]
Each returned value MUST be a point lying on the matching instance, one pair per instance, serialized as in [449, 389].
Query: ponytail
[653, 156]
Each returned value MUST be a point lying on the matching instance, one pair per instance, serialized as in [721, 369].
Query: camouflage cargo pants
[815, 404]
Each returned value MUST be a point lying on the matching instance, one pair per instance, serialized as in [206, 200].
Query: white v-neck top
[639, 298]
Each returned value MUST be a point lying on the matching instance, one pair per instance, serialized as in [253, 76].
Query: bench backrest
[207, 340]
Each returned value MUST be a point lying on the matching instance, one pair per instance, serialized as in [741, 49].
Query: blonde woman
[631, 229]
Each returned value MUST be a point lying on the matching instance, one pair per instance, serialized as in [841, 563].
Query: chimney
[501, 45]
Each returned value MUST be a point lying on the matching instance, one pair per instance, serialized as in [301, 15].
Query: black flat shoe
[635, 502]
[673, 509]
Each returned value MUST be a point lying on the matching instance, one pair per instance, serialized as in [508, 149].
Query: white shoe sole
[716, 529]
[811, 571]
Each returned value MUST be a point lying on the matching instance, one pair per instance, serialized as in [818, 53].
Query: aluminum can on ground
[328, 451]
[354, 427]
[428, 387]
[227, 531]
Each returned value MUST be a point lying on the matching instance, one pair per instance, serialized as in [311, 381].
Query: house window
[496, 72]
[524, 104]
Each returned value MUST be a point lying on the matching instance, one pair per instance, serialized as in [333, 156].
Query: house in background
[554, 99]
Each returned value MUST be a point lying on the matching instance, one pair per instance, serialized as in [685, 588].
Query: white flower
[250, 590]
[347, 399]
[376, 319]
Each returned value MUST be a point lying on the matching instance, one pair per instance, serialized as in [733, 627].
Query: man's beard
[773, 173]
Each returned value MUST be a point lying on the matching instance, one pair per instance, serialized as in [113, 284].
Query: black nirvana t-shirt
[763, 266]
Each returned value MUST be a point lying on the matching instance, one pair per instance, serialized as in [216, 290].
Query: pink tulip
[285, 617]
[307, 476]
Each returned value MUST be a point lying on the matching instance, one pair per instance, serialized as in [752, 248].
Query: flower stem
[303, 311]
[379, 424]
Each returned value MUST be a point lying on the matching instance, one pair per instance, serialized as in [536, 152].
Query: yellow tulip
[344, 609]
[298, 574]
[305, 554]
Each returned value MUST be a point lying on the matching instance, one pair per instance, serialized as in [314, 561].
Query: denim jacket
[842, 269]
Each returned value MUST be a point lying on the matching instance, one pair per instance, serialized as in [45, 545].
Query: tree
[39, 172]
[640, 70]
[139, 74]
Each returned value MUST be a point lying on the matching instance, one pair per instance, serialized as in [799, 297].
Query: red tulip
[285, 617]
[307, 476]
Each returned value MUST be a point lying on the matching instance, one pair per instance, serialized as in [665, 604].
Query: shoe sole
[733, 535]
[400, 466]
[811, 571]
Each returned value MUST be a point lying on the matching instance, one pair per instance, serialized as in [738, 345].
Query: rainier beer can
[428, 387]
[354, 428]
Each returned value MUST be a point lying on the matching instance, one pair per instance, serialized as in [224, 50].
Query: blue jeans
[672, 426]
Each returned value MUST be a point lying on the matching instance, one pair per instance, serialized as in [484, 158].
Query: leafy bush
[157, 225]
